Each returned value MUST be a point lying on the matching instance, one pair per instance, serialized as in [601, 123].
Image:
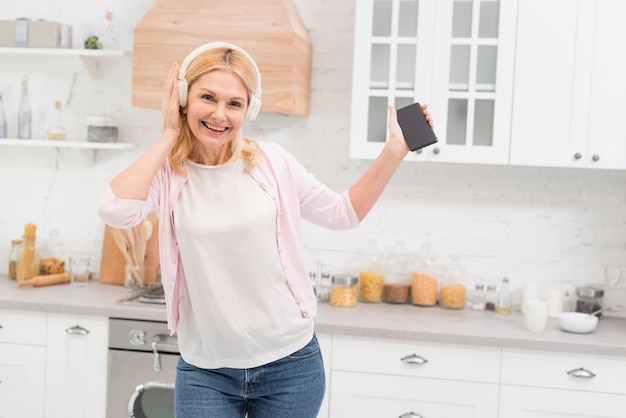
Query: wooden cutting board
[113, 264]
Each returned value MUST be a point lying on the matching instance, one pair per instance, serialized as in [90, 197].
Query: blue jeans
[290, 387]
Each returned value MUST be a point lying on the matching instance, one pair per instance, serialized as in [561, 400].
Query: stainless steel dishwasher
[142, 369]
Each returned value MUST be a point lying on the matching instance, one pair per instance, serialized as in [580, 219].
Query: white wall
[562, 227]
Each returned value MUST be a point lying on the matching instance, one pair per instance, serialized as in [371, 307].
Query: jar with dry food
[371, 280]
[396, 274]
[52, 259]
[424, 282]
[453, 288]
[589, 299]
[343, 291]
[28, 263]
[14, 256]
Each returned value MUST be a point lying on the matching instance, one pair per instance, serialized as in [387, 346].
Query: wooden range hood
[270, 30]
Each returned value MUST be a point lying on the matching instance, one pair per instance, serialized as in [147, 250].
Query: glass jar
[453, 289]
[371, 280]
[343, 291]
[491, 298]
[396, 274]
[505, 300]
[479, 302]
[14, 257]
[52, 255]
[424, 282]
[589, 299]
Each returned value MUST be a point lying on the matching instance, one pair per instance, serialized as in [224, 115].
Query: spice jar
[453, 290]
[14, 256]
[589, 299]
[28, 264]
[371, 280]
[343, 291]
[479, 303]
[491, 298]
[424, 282]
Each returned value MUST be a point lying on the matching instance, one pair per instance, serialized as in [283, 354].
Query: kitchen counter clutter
[377, 320]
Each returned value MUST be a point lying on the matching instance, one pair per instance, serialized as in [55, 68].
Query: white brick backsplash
[561, 227]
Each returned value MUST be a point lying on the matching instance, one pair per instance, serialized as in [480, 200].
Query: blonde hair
[226, 59]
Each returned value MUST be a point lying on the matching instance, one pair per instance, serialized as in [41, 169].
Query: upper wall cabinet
[455, 55]
[569, 105]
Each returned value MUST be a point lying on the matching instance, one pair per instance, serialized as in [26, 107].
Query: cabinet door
[607, 134]
[472, 82]
[524, 402]
[379, 396]
[22, 380]
[552, 74]
[325, 341]
[76, 372]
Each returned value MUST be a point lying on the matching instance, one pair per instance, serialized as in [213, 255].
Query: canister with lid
[343, 292]
[100, 129]
[589, 299]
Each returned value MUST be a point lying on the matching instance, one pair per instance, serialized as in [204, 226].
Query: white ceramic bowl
[577, 322]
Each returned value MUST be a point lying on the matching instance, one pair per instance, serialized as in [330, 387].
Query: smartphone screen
[417, 132]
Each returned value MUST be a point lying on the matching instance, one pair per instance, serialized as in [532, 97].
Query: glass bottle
[3, 119]
[14, 256]
[106, 39]
[28, 265]
[56, 130]
[505, 303]
[479, 297]
[24, 114]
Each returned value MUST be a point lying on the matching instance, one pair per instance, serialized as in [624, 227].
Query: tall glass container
[28, 264]
[24, 113]
[14, 257]
[3, 119]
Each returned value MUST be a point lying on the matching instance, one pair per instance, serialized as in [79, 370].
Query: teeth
[213, 127]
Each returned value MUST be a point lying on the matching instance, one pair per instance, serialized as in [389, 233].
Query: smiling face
[215, 112]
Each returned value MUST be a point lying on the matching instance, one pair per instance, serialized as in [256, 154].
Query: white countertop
[381, 320]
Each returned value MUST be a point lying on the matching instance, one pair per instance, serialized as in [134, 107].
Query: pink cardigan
[297, 194]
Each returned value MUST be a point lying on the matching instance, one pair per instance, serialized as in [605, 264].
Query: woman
[237, 289]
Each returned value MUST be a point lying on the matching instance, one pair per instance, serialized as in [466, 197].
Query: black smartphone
[417, 132]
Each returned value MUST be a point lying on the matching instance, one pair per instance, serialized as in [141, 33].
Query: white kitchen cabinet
[455, 55]
[325, 342]
[537, 384]
[569, 68]
[76, 366]
[388, 378]
[22, 363]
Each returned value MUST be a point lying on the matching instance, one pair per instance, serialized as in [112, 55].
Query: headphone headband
[183, 89]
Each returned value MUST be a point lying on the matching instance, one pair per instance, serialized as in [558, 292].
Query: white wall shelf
[59, 52]
[49, 143]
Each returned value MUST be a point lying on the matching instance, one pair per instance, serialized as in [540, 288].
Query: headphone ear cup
[253, 108]
[182, 92]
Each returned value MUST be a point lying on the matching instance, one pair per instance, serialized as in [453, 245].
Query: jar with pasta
[396, 273]
[28, 263]
[371, 279]
[424, 281]
[453, 288]
[343, 291]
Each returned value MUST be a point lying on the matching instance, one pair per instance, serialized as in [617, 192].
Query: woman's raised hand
[170, 106]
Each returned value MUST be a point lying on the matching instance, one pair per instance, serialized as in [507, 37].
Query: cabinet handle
[410, 415]
[414, 359]
[436, 150]
[595, 157]
[77, 330]
[581, 373]
[160, 340]
[578, 156]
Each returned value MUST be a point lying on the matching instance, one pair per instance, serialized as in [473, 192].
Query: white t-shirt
[235, 307]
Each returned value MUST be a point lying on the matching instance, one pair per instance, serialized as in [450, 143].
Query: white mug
[536, 315]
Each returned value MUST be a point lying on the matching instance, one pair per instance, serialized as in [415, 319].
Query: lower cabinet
[22, 363]
[386, 378]
[76, 366]
[325, 341]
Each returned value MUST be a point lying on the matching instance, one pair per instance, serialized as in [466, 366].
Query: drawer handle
[581, 373]
[414, 359]
[410, 415]
[77, 330]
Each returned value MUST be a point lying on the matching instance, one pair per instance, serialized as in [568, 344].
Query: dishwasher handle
[160, 342]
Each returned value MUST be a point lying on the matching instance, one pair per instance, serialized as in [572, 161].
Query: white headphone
[183, 88]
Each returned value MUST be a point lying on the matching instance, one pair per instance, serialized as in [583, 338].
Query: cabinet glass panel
[380, 66]
[486, 68]
[402, 102]
[381, 22]
[483, 122]
[405, 69]
[377, 119]
[407, 19]
[462, 19]
[457, 122]
[489, 13]
[459, 67]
